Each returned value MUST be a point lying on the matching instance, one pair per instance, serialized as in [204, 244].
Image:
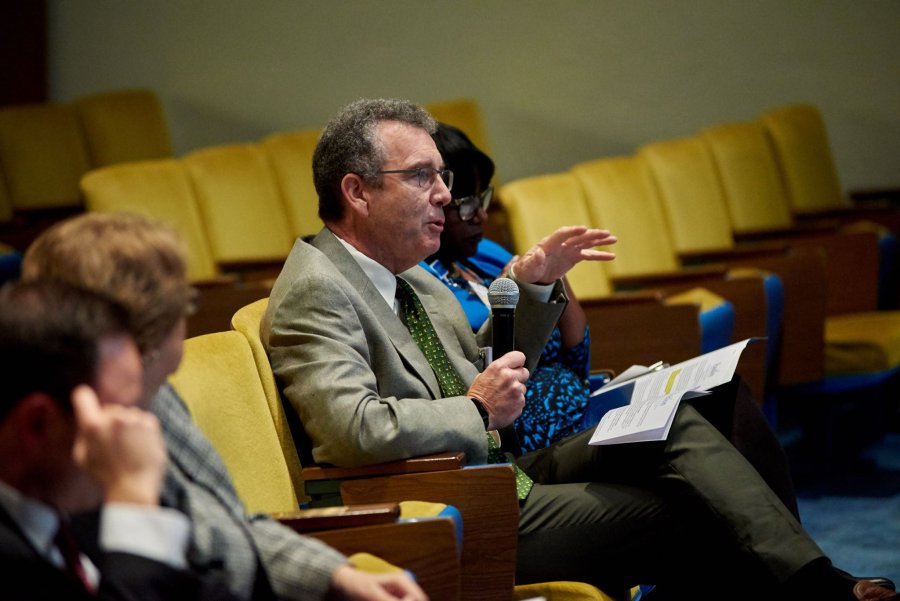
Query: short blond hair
[136, 261]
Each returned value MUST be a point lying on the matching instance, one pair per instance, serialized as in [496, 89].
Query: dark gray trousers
[664, 513]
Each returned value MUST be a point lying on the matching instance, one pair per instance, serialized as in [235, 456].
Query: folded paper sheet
[646, 398]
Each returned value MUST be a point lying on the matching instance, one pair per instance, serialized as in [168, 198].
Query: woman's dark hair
[469, 165]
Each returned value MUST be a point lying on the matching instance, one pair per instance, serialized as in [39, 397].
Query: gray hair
[348, 145]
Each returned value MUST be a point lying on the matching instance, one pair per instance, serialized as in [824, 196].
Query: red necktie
[68, 547]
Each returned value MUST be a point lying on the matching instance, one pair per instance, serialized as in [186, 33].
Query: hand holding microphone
[501, 387]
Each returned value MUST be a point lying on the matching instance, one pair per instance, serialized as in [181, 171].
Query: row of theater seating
[240, 206]
[697, 199]
[46, 148]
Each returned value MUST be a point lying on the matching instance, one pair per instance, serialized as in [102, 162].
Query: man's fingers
[589, 254]
[592, 238]
[563, 234]
[512, 359]
[86, 405]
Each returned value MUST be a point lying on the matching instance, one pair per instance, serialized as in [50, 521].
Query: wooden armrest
[748, 250]
[254, 269]
[485, 496]
[345, 516]
[799, 231]
[427, 548]
[225, 279]
[627, 297]
[851, 269]
[426, 463]
[217, 301]
[670, 278]
[801, 355]
[876, 197]
[639, 333]
[748, 296]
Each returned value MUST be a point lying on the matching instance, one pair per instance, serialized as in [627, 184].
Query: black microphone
[503, 296]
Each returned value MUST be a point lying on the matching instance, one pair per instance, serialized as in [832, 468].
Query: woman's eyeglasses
[469, 205]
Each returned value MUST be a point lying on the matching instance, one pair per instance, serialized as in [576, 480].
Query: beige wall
[558, 81]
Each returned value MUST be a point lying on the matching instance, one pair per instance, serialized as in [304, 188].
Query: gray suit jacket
[347, 365]
[224, 538]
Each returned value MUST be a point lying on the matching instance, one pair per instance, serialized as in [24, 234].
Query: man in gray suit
[365, 391]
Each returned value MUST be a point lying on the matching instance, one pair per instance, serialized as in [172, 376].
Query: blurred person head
[137, 262]
[55, 338]
[466, 213]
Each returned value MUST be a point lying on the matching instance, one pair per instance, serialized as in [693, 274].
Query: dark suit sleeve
[126, 577]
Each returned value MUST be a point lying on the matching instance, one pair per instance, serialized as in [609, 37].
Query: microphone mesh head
[503, 293]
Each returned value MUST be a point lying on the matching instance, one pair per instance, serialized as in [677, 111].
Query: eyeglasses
[425, 176]
[469, 205]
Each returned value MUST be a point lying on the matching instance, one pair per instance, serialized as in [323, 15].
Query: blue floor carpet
[853, 511]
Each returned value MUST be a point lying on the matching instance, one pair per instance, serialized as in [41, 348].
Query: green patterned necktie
[422, 331]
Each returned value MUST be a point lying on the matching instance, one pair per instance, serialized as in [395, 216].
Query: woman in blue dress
[558, 390]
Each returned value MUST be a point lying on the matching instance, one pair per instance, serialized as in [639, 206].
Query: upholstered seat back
[620, 197]
[220, 384]
[240, 204]
[247, 321]
[465, 114]
[800, 142]
[538, 206]
[746, 166]
[123, 126]
[43, 154]
[291, 156]
[687, 185]
[159, 189]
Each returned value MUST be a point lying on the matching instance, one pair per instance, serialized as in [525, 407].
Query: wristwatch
[485, 416]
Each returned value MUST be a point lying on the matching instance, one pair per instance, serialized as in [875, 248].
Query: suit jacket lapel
[15, 543]
[406, 347]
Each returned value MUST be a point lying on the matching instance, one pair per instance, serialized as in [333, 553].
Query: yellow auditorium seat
[123, 125]
[539, 205]
[619, 323]
[240, 206]
[801, 145]
[465, 114]
[620, 196]
[46, 148]
[246, 320]
[291, 155]
[752, 188]
[159, 189]
[219, 382]
[43, 153]
[735, 153]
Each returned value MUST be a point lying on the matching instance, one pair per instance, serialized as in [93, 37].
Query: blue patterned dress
[558, 389]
